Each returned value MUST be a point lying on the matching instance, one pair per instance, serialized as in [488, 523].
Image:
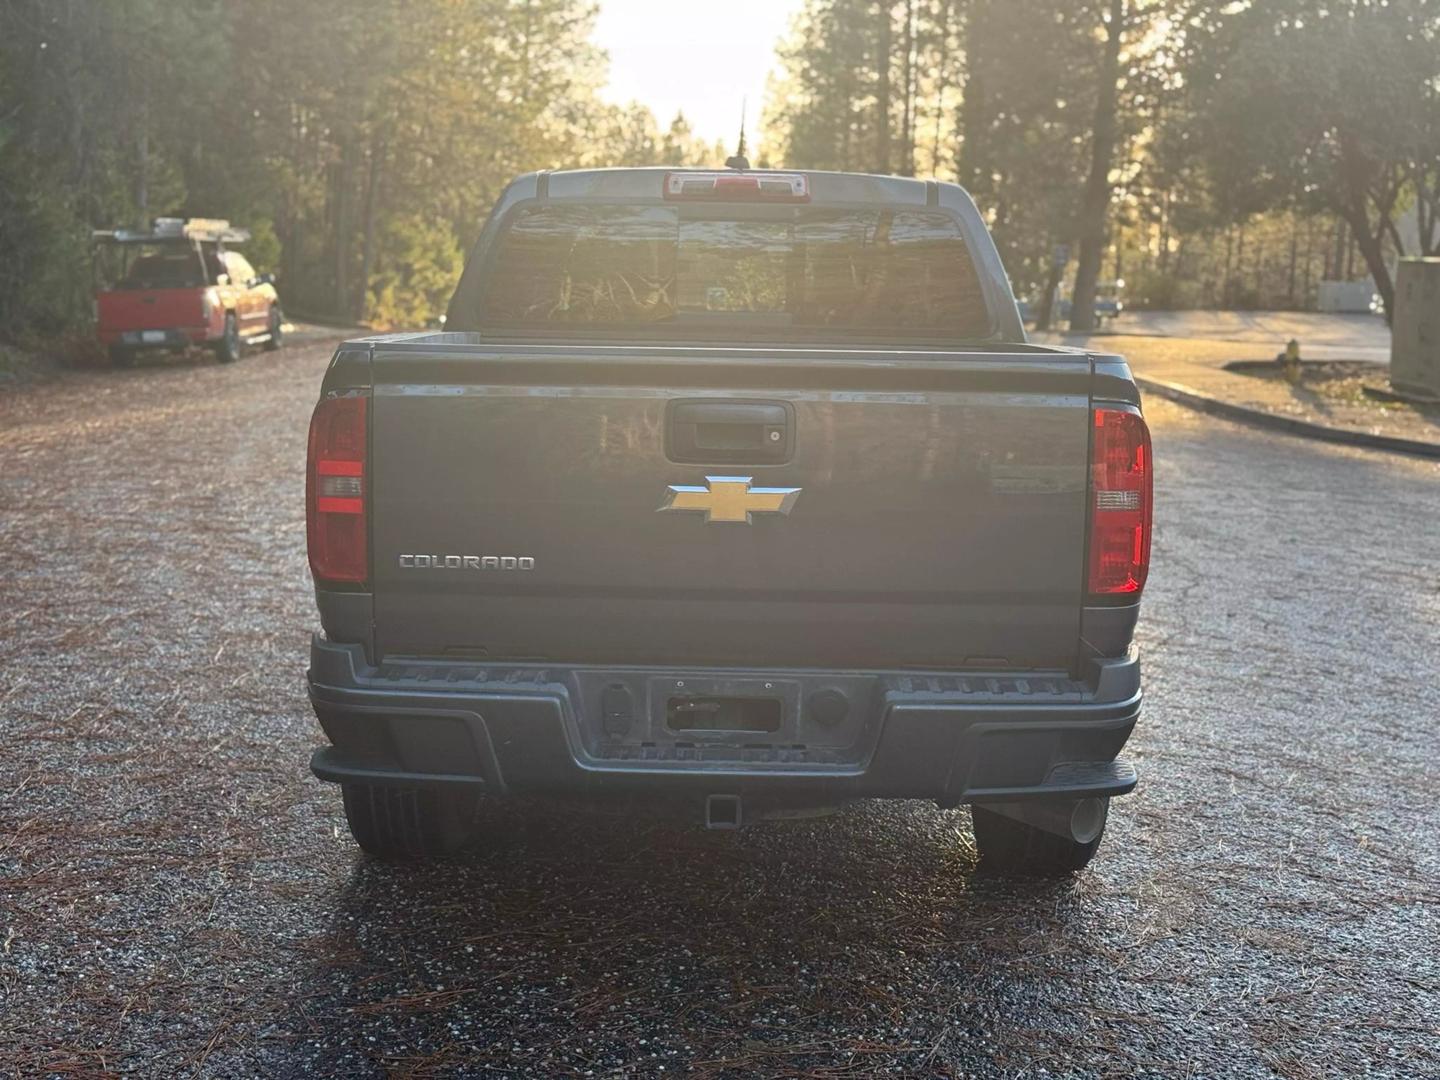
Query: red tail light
[335, 491]
[1121, 477]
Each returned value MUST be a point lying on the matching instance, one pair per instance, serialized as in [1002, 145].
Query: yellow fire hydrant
[1290, 360]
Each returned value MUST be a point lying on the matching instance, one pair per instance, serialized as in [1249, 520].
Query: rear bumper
[168, 338]
[946, 736]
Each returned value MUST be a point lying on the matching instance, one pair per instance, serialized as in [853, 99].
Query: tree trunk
[970, 164]
[367, 255]
[1373, 252]
[1294, 259]
[1309, 258]
[341, 173]
[882, 90]
[1396, 240]
[942, 82]
[1225, 289]
[907, 127]
[1046, 314]
[1165, 233]
[1427, 208]
[1238, 282]
[142, 159]
[1096, 202]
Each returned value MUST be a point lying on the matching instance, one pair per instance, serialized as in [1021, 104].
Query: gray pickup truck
[732, 492]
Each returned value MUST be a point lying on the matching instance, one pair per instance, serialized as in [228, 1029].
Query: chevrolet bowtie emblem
[730, 498]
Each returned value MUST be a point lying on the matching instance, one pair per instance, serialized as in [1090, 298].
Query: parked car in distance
[181, 284]
[1109, 304]
[738, 491]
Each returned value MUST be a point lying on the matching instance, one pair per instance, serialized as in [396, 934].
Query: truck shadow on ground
[567, 942]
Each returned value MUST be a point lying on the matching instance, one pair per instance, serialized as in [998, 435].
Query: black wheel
[1016, 849]
[121, 357]
[409, 823]
[227, 349]
[277, 330]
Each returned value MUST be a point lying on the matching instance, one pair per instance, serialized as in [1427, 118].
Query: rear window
[781, 270]
[170, 267]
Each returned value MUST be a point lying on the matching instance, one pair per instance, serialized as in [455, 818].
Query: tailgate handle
[730, 432]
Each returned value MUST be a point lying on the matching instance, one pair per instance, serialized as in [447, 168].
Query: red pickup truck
[179, 284]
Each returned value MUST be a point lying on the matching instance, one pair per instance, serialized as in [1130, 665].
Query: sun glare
[702, 60]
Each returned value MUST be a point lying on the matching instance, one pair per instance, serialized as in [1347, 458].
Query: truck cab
[734, 490]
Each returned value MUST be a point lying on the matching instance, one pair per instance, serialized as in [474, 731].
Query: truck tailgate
[939, 520]
[148, 309]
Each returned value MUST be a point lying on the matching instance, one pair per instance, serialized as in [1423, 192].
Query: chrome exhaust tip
[1079, 820]
[722, 812]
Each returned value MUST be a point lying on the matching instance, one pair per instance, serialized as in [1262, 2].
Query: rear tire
[277, 330]
[227, 349]
[1012, 848]
[409, 823]
[121, 357]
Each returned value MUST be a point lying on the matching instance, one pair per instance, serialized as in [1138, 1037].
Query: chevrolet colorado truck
[738, 491]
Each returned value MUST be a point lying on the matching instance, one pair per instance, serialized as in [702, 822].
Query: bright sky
[694, 57]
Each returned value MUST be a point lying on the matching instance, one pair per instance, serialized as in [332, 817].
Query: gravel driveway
[179, 897]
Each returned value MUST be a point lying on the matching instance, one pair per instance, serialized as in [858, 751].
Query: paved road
[1321, 336]
[1312, 328]
[177, 897]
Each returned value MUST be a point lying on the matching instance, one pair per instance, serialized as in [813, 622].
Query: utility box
[1415, 339]
[1346, 297]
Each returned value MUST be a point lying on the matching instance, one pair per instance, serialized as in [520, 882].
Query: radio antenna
[739, 160]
